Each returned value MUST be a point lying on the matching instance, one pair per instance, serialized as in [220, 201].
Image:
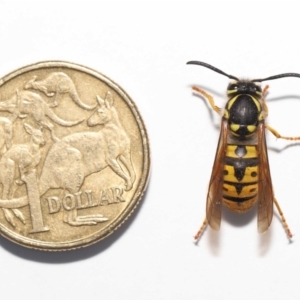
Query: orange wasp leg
[279, 136]
[209, 98]
[200, 231]
[218, 110]
[263, 99]
[285, 225]
[272, 130]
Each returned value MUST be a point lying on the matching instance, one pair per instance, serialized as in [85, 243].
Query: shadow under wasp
[241, 174]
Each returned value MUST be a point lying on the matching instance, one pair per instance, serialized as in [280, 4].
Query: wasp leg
[285, 225]
[200, 231]
[209, 98]
[265, 108]
[291, 138]
[263, 100]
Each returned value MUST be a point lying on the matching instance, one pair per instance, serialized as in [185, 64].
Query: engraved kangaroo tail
[14, 203]
[49, 113]
[76, 99]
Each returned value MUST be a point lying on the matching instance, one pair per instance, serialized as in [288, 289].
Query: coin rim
[62, 246]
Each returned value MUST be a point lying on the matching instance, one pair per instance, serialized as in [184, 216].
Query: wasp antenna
[203, 64]
[277, 77]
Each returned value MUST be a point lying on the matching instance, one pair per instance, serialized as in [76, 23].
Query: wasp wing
[215, 190]
[265, 188]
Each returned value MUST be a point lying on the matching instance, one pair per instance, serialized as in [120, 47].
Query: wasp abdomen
[240, 185]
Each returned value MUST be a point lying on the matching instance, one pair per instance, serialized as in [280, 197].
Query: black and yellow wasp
[241, 175]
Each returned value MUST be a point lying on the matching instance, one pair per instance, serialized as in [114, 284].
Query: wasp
[241, 173]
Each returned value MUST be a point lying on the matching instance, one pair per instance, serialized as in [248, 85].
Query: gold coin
[74, 156]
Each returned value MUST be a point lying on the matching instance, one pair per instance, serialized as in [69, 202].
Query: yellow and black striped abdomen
[240, 185]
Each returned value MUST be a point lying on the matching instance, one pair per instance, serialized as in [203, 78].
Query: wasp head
[243, 87]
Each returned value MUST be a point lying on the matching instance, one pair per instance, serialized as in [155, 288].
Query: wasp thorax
[243, 87]
[243, 109]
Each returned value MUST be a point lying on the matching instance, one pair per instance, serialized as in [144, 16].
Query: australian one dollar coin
[74, 156]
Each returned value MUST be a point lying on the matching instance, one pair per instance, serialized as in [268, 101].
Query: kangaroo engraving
[76, 156]
[23, 158]
[33, 104]
[57, 83]
[5, 134]
[6, 130]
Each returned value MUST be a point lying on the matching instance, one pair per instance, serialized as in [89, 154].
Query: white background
[144, 46]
